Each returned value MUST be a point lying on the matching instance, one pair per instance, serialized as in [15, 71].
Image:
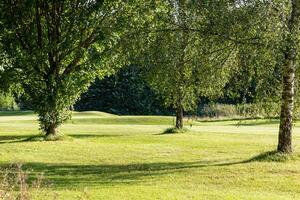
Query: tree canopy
[56, 48]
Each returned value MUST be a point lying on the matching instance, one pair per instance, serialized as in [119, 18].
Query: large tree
[290, 48]
[275, 57]
[184, 58]
[56, 48]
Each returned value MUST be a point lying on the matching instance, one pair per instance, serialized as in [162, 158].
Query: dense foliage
[126, 92]
[56, 48]
[7, 102]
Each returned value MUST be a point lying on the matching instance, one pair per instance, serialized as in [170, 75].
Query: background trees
[125, 92]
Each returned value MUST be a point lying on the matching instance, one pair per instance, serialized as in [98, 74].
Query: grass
[174, 130]
[128, 157]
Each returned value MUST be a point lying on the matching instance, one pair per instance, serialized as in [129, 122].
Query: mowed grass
[128, 157]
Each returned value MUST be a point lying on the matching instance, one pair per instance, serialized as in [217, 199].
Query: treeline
[189, 52]
[127, 93]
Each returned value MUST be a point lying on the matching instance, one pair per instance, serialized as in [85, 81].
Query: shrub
[15, 184]
[215, 110]
[218, 110]
[175, 130]
[7, 102]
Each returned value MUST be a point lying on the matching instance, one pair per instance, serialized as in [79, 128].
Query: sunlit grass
[128, 157]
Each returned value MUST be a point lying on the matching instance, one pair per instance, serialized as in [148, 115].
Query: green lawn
[128, 157]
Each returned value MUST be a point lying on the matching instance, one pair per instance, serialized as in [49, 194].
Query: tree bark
[290, 51]
[286, 116]
[179, 118]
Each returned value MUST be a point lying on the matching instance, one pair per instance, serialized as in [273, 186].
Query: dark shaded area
[83, 136]
[66, 175]
[41, 138]
[124, 93]
[128, 93]
[14, 138]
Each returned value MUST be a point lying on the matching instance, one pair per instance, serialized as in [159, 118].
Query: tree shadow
[82, 136]
[14, 138]
[75, 175]
[68, 175]
[35, 138]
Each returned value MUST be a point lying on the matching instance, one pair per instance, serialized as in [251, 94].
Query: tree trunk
[287, 104]
[179, 118]
[290, 50]
[52, 130]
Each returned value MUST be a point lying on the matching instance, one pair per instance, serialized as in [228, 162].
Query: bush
[175, 130]
[16, 184]
[7, 102]
[218, 110]
[215, 110]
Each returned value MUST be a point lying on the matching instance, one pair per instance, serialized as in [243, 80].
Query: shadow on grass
[14, 138]
[74, 175]
[39, 138]
[82, 136]
[245, 121]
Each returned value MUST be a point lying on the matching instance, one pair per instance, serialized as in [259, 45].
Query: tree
[290, 51]
[276, 58]
[56, 48]
[183, 59]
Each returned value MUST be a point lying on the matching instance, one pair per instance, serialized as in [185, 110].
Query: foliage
[14, 184]
[18, 183]
[126, 92]
[7, 102]
[183, 64]
[252, 110]
[218, 110]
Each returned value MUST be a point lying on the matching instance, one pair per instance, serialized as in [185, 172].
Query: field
[128, 158]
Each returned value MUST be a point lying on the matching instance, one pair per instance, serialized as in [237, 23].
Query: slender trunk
[179, 118]
[291, 42]
[287, 104]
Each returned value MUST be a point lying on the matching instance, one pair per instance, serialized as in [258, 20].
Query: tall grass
[215, 110]
[17, 184]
